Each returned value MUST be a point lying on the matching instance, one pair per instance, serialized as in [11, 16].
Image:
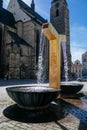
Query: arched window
[21, 52]
[57, 12]
[8, 52]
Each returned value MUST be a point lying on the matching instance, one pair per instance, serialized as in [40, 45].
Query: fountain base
[70, 88]
[33, 108]
[33, 97]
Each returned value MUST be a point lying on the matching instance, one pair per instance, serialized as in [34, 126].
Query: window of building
[21, 52]
[84, 60]
[57, 5]
[8, 52]
[57, 12]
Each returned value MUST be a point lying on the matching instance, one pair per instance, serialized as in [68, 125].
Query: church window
[57, 5]
[8, 52]
[21, 52]
[84, 59]
[57, 12]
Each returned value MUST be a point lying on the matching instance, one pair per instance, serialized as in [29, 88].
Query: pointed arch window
[57, 12]
[21, 52]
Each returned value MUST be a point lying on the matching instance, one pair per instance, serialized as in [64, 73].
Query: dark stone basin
[32, 97]
[70, 88]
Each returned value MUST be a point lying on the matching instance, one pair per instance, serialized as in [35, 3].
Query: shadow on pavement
[76, 111]
[61, 126]
[54, 112]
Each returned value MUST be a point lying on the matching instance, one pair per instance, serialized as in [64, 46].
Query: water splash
[65, 61]
[40, 72]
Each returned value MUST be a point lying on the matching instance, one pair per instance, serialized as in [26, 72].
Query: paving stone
[72, 121]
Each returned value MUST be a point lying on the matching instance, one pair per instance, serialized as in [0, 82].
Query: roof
[6, 17]
[29, 11]
[18, 40]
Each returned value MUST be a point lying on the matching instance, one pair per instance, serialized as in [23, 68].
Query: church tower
[59, 17]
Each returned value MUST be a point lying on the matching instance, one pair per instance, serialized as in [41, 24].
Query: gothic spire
[33, 5]
[1, 4]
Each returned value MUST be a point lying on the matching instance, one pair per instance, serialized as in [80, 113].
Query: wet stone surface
[66, 113]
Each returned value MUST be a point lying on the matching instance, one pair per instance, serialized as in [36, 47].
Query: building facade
[20, 47]
[20, 35]
[84, 64]
[76, 69]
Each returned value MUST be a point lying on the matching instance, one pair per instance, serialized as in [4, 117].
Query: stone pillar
[54, 54]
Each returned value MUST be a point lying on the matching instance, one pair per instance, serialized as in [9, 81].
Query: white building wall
[84, 63]
[14, 8]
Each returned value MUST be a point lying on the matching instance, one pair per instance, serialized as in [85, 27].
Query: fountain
[68, 87]
[55, 58]
[38, 97]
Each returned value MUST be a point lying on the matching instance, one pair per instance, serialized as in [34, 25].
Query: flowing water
[40, 72]
[65, 61]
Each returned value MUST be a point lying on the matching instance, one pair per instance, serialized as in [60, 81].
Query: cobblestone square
[63, 114]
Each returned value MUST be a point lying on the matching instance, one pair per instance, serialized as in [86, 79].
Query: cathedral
[20, 28]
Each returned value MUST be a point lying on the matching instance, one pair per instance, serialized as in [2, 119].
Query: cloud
[79, 33]
[27, 1]
[7, 1]
[78, 41]
[77, 51]
[43, 13]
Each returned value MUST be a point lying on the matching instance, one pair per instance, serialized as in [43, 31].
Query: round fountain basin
[32, 97]
[70, 88]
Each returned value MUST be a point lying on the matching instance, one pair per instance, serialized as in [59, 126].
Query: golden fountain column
[54, 54]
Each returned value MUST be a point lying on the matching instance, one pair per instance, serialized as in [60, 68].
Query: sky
[78, 23]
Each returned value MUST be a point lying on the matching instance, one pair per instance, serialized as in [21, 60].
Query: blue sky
[78, 23]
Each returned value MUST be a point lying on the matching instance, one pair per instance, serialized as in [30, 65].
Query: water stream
[40, 72]
[65, 61]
